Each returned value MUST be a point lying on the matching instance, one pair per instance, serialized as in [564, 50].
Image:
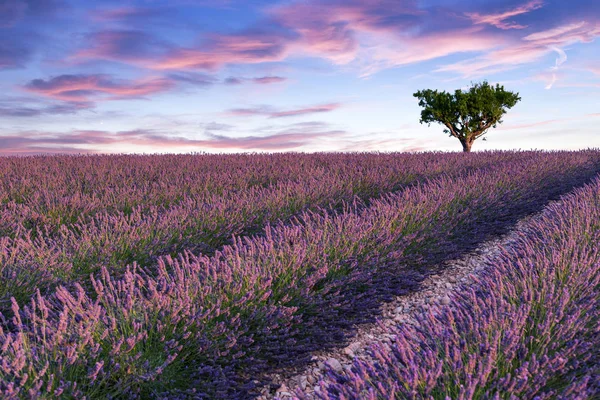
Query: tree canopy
[467, 115]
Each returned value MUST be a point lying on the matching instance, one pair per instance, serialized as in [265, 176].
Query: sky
[222, 76]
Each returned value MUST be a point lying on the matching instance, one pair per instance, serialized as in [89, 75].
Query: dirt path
[434, 290]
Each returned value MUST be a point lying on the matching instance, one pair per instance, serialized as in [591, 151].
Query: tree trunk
[466, 144]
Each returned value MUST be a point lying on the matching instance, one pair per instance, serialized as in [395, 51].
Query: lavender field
[201, 276]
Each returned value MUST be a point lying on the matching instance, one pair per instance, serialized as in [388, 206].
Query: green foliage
[467, 115]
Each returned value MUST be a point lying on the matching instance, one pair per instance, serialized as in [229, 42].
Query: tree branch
[452, 129]
[483, 128]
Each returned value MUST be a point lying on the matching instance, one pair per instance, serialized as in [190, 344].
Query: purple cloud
[499, 20]
[193, 78]
[233, 81]
[122, 46]
[530, 48]
[263, 80]
[85, 88]
[271, 113]
[27, 111]
[84, 141]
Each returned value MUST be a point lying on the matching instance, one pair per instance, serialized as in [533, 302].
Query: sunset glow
[330, 75]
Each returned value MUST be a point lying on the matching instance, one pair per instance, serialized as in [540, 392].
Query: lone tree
[467, 115]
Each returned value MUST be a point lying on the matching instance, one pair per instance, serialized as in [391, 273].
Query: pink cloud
[333, 30]
[265, 80]
[532, 47]
[576, 32]
[280, 141]
[367, 34]
[397, 144]
[375, 34]
[122, 45]
[269, 112]
[248, 48]
[87, 141]
[85, 88]
[594, 70]
[126, 12]
[499, 20]
[547, 122]
[308, 110]
[392, 52]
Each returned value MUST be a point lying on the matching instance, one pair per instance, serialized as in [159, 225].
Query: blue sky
[328, 75]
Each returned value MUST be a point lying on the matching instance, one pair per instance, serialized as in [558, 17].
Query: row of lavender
[204, 326]
[527, 328]
[62, 218]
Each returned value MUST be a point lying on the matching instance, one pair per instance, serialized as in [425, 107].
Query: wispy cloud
[266, 80]
[562, 58]
[532, 47]
[399, 144]
[122, 45]
[499, 20]
[594, 69]
[128, 14]
[193, 78]
[554, 121]
[365, 34]
[250, 47]
[83, 141]
[263, 80]
[14, 11]
[17, 110]
[86, 88]
[280, 141]
[272, 113]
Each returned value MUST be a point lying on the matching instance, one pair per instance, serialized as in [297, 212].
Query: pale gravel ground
[434, 290]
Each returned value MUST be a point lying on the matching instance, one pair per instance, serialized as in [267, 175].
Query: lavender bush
[207, 325]
[69, 216]
[528, 327]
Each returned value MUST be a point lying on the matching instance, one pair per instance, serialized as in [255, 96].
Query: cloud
[575, 31]
[392, 52]
[400, 144]
[88, 141]
[271, 113]
[129, 14]
[594, 69]
[15, 52]
[22, 29]
[125, 45]
[333, 29]
[13, 12]
[233, 81]
[16, 110]
[279, 141]
[367, 35]
[249, 47]
[363, 35]
[535, 124]
[196, 79]
[266, 80]
[532, 47]
[377, 34]
[263, 80]
[216, 126]
[562, 58]
[85, 88]
[499, 20]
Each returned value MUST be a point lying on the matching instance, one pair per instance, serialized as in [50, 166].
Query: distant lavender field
[196, 276]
